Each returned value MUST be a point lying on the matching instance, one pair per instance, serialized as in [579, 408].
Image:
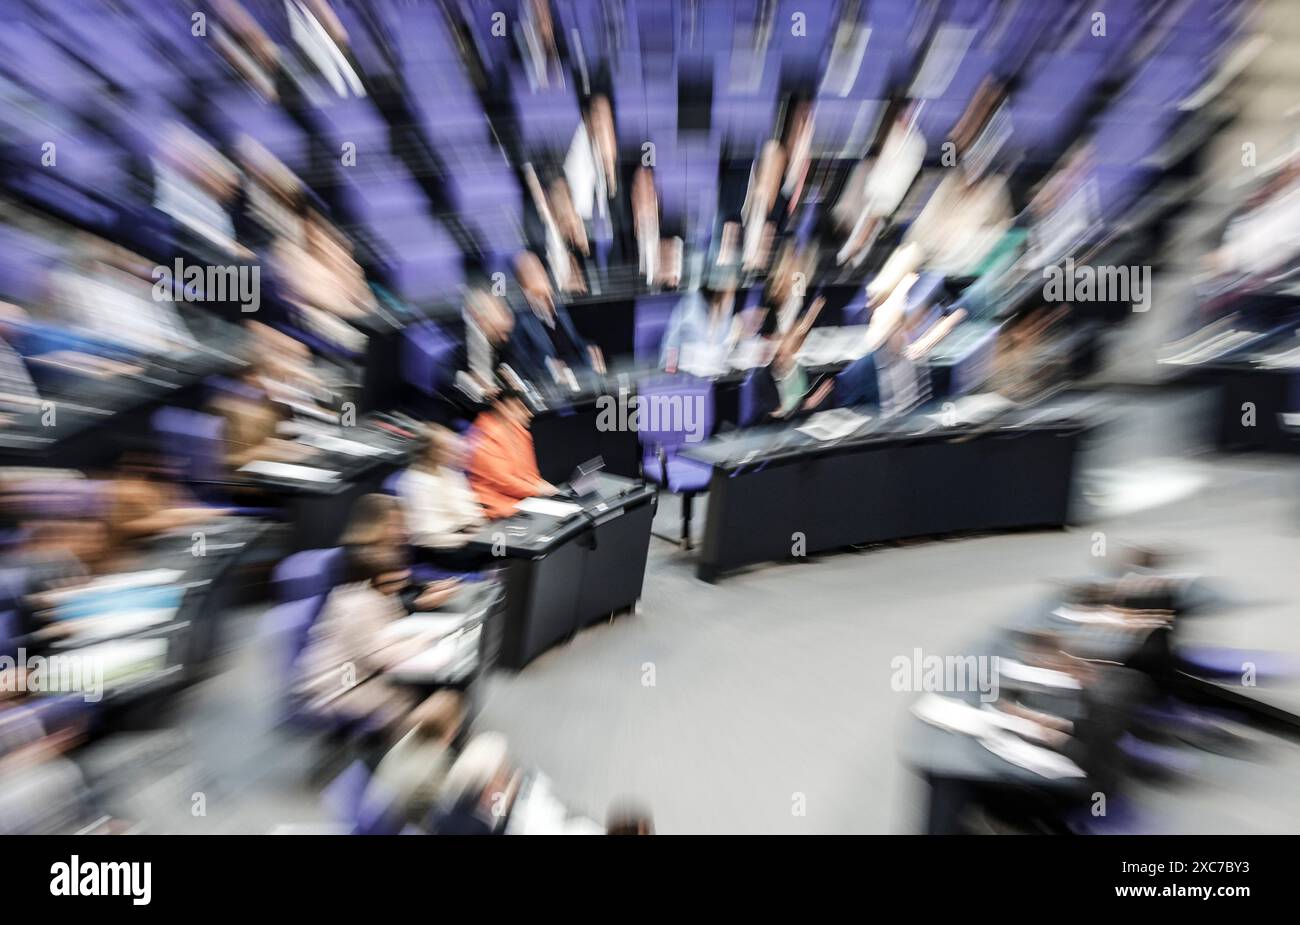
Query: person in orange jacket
[503, 466]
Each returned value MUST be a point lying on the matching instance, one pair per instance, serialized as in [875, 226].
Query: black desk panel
[894, 479]
[318, 512]
[562, 574]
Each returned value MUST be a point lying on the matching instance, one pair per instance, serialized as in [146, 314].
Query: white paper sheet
[1042, 761]
[430, 624]
[1043, 677]
[279, 470]
[974, 409]
[833, 425]
[121, 582]
[119, 623]
[549, 507]
[333, 444]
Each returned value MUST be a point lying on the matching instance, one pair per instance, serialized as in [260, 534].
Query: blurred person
[1142, 609]
[107, 293]
[626, 817]
[352, 643]
[18, 391]
[489, 324]
[377, 527]
[53, 552]
[959, 226]
[702, 324]
[782, 384]
[591, 167]
[1262, 236]
[246, 47]
[251, 424]
[545, 343]
[890, 374]
[196, 187]
[1101, 701]
[503, 465]
[796, 142]
[145, 501]
[323, 283]
[411, 774]
[562, 235]
[787, 284]
[479, 790]
[763, 208]
[1108, 695]
[42, 790]
[657, 262]
[441, 509]
[57, 553]
[877, 185]
[540, 48]
[970, 211]
[1031, 358]
[1060, 216]
[283, 368]
[1063, 210]
[572, 251]
[271, 200]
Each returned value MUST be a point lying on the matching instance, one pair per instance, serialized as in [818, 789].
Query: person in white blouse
[878, 185]
[441, 511]
[591, 164]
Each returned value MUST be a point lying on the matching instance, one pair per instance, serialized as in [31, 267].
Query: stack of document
[121, 581]
[449, 657]
[749, 353]
[290, 471]
[158, 589]
[1201, 348]
[1001, 733]
[707, 362]
[122, 660]
[121, 623]
[1012, 670]
[334, 444]
[1281, 359]
[833, 425]
[538, 811]
[1042, 761]
[974, 409]
[958, 716]
[430, 624]
[825, 346]
[548, 507]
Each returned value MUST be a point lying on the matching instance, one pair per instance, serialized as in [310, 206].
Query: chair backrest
[651, 322]
[62, 498]
[344, 795]
[309, 573]
[193, 439]
[389, 486]
[855, 310]
[8, 631]
[748, 412]
[284, 632]
[674, 410]
[428, 357]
